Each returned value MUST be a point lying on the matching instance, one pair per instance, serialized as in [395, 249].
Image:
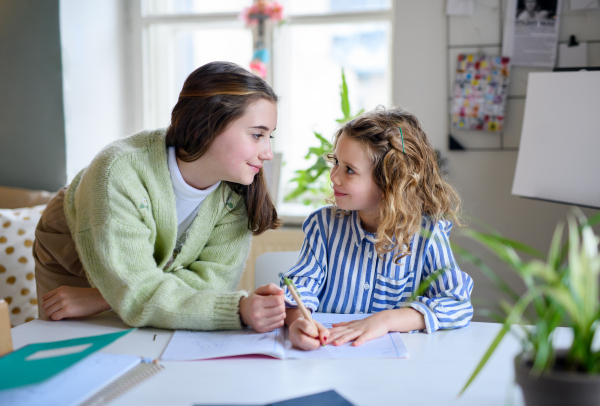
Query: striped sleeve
[446, 304]
[308, 274]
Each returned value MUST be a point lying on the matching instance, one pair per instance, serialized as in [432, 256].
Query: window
[309, 50]
[177, 37]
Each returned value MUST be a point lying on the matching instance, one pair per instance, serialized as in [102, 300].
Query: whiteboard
[559, 153]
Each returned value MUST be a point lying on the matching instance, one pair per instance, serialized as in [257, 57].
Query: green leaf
[497, 246]
[344, 94]
[562, 295]
[554, 259]
[521, 247]
[324, 142]
[426, 283]
[486, 270]
[515, 314]
[593, 220]
[488, 313]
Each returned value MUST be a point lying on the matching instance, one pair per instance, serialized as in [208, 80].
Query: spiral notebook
[95, 380]
[70, 372]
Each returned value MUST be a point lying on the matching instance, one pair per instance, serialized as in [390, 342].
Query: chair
[269, 265]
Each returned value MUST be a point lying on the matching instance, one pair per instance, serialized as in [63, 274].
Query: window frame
[141, 67]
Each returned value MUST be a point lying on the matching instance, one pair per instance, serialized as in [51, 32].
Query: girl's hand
[360, 330]
[67, 301]
[305, 336]
[263, 310]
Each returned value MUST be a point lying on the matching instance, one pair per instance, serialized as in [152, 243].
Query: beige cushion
[13, 198]
[17, 267]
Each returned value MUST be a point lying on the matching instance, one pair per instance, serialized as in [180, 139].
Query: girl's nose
[266, 154]
[333, 175]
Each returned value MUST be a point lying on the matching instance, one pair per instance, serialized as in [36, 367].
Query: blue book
[328, 398]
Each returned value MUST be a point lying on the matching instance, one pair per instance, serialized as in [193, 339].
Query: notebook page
[195, 345]
[387, 346]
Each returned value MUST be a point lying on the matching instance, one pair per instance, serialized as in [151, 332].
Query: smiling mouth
[339, 194]
[256, 168]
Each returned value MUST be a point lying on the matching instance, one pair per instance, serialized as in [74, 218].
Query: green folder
[37, 362]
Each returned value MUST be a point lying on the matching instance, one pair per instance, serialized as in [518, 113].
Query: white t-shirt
[187, 199]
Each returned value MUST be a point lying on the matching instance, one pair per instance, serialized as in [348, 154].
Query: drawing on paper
[480, 91]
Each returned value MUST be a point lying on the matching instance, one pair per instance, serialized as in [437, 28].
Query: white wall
[95, 86]
[483, 179]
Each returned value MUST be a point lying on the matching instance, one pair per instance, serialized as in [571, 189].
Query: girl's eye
[336, 161]
[349, 170]
[257, 136]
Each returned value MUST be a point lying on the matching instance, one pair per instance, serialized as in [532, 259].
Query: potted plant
[562, 288]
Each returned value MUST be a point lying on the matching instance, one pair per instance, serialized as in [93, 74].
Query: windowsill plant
[313, 183]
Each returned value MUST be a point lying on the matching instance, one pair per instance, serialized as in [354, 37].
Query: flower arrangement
[262, 10]
[255, 16]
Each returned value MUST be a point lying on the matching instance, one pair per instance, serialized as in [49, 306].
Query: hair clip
[402, 136]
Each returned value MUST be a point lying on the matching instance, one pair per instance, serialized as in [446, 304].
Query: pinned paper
[480, 92]
[37, 362]
[460, 7]
[572, 56]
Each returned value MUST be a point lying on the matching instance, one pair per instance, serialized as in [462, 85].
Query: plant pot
[557, 387]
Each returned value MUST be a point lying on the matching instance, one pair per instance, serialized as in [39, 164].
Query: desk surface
[438, 367]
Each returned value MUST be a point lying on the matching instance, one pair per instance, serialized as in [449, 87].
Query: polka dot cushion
[17, 268]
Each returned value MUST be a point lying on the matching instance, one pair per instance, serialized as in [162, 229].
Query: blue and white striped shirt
[339, 271]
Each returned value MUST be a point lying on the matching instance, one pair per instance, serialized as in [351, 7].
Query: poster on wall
[480, 91]
[531, 32]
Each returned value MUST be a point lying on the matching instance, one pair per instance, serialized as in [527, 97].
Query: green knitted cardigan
[122, 215]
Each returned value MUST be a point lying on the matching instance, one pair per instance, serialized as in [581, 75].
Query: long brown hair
[213, 96]
[408, 176]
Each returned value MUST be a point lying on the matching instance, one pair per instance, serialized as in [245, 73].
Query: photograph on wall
[532, 32]
[480, 91]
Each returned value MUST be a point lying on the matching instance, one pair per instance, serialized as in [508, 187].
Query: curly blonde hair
[411, 183]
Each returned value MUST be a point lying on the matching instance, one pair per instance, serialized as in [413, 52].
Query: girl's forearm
[403, 320]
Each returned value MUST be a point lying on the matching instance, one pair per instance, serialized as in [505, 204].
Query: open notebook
[196, 345]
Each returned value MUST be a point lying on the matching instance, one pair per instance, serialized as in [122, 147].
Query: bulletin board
[507, 138]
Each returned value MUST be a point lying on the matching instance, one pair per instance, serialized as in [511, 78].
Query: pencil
[296, 295]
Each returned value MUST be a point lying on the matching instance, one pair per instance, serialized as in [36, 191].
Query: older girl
[158, 226]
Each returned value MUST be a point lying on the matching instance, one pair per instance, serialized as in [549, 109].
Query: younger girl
[158, 226]
[387, 231]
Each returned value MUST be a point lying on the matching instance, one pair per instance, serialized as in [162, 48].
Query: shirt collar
[359, 233]
[180, 187]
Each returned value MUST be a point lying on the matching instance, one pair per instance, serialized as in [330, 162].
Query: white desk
[438, 367]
